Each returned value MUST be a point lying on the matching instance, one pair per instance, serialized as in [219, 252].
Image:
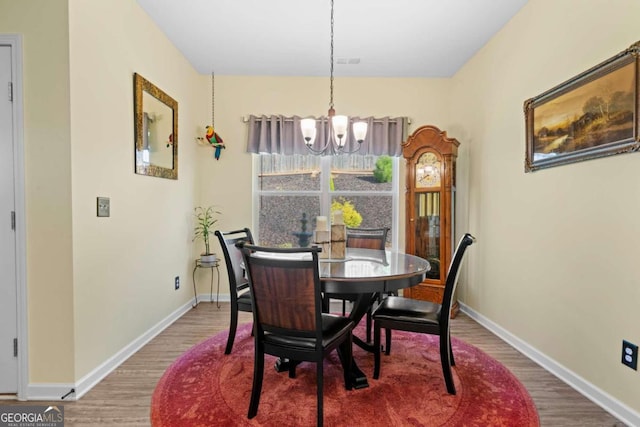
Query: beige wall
[94, 285]
[425, 101]
[557, 249]
[124, 265]
[47, 155]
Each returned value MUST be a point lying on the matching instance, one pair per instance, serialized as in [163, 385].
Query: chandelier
[338, 124]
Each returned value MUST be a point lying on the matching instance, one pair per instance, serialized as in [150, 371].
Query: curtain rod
[245, 119]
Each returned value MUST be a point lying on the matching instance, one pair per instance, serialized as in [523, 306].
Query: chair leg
[453, 362]
[292, 369]
[376, 298]
[344, 307]
[258, 371]
[319, 392]
[232, 329]
[446, 364]
[387, 344]
[376, 350]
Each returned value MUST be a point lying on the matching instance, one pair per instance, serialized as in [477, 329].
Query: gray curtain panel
[282, 135]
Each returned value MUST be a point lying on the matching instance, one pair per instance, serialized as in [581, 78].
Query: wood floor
[123, 398]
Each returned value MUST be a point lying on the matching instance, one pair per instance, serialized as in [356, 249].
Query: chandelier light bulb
[308, 127]
[340, 128]
[360, 131]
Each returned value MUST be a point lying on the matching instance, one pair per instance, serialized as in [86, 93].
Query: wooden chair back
[367, 238]
[286, 290]
[452, 279]
[233, 257]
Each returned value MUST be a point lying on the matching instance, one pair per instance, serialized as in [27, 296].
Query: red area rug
[203, 387]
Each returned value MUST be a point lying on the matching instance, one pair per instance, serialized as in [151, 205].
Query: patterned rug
[204, 387]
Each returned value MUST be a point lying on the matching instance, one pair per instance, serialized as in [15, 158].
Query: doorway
[13, 367]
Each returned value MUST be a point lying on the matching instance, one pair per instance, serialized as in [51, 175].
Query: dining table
[367, 273]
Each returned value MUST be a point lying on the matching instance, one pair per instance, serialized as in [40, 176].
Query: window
[292, 190]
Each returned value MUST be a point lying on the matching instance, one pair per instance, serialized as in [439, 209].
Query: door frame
[15, 42]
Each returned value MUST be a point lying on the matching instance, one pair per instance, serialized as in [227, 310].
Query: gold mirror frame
[143, 161]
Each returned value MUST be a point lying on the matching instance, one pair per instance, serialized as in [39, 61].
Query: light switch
[103, 206]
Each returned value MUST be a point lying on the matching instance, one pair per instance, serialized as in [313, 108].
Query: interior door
[8, 281]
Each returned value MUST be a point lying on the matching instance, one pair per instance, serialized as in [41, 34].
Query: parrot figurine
[214, 139]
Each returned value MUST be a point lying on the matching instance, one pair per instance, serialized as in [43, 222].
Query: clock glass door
[427, 204]
[427, 238]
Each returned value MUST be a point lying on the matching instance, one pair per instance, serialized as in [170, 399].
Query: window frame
[326, 194]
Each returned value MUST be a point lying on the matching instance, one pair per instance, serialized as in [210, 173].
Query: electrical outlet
[177, 282]
[630, 355]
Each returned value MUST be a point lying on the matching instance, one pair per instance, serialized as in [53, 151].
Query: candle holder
[322, 239]
[338, 241]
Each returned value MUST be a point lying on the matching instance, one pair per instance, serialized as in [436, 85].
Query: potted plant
[206, 219]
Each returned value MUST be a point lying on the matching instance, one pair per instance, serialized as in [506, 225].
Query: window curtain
[282, 135]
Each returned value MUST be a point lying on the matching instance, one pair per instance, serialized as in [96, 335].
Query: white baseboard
[52, 391]
[212, 298]
[604, 400]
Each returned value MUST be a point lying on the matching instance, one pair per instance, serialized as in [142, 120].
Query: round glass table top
[369, 264]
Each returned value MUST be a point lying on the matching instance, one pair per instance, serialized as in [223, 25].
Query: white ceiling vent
[348, 61]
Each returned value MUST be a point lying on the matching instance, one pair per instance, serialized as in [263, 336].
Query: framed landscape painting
[594, 114]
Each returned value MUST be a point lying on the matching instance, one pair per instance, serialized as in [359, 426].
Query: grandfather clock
[430, 207]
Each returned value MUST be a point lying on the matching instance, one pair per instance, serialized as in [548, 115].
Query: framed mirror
[156, 130]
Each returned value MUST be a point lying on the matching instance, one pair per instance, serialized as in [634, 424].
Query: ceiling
[372, 38]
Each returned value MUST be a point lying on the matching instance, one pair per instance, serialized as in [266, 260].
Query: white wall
[557, 249]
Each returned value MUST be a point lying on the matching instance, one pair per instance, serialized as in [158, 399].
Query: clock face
[428, 171]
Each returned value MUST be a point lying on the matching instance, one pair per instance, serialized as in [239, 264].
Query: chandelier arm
[314, 151]
[342, 150]
[328, 144]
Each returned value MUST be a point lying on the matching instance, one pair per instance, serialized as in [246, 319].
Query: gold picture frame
[594, 114]
[156, 130]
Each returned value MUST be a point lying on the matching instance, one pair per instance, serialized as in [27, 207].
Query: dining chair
[425, 317]
[288, 321]
[362, 238]
[238, 284]
[367, 238]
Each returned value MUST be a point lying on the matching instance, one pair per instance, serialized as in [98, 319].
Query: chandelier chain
[337, 126]
[331, 65]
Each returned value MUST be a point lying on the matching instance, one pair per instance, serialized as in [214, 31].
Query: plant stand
[211, 266]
